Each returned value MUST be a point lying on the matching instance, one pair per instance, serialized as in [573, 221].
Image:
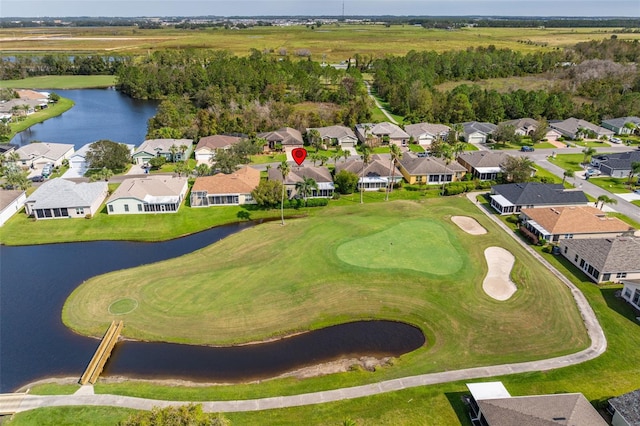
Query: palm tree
[315, 157]
[635, 170]
[305, 188]
[366, 158]
[314, 139]
[183, 149]
[603, 199]
[588, 153]
[284, 169]
[566, 174]
[173, 149]
[447, 154]
[395, 155]
[336, 156]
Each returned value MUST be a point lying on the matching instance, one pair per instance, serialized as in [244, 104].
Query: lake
[97, 114]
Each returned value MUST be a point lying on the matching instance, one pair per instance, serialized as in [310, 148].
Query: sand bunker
[497, 283]
[469, 225]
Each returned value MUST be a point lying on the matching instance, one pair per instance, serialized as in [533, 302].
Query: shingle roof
[376, 167]
[8, 196]
[476, 126]
[571, 409]
[619, 122]
[418, 129]
[535, 193]
[217, 141]
[392, 130]
[242, 181]
[153, 146]
[621, 254]
[151, 189]
[575, 220]
[628, 406]
[571, 125]
[619, 161]
[298, 173]
[285, 136]
[525, 123]
[484, 158]
[56, 193]
[82, 152]
[421, 166]
[52, 151]
[334, 132]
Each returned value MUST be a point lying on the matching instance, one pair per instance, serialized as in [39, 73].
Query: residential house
[7, 148]
[224, 190]
[150, 194]
[10, 203]
[483, 165]
[320, 175]
[605, 259]
[284, 138]
[384, 133]
[21, 107]
[574, 128]
[626, 408]
[526, 126]
[32, 95]
[337, 135]
[631, 293]
[512, 197]
[78, 161]
[205, 151]
[619, 125]
[616, 164]
[491, 404]
[426, 133]
[556, 223]
[429, 170]
[61, 198]
[170, 149]
[37, 155]
[477, 132]
[376, 175]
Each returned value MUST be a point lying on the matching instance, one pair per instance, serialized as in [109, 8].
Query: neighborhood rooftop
[242, 181]
[609, 254]
[575, 220]
[534, 193]
[61, 192]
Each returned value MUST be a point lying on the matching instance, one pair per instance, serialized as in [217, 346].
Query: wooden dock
[103, 353]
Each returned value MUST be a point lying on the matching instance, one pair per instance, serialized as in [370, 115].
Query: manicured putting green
[123, 306]
[421, 245]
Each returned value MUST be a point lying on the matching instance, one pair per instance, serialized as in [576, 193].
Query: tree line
[21, 66]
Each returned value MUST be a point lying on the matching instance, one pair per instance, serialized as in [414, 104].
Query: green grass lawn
[593, 144]
[53, 110]
[568, 161]
[61, 82]
[611, 184]
[544, 173]
[86, 415]
[512, 145]
[268, 158]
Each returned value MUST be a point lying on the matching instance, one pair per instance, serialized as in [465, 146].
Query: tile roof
[570, 409]
[52, 151]
[418, 129]
[376, 167]
[298, 173]
[242, 181]
[162, 145]
[628, 406]
[621, 254]
[151, 189]
[484, 158]
[217, 142]
[334, 132]
[619, 161]
[575, 220]
[535, 193]
[285, 136]
[421, 166]
[56, 193]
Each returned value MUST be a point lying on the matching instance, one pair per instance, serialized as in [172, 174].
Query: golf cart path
[85, 396]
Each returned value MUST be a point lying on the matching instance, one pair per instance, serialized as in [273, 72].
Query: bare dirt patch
[469, 225]
[497, 283]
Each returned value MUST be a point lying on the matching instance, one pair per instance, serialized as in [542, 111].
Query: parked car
[593, 172]
[527, 148]
[47, 169]
[637, 191]
[39, 178]
[423, 154]
[616, 140]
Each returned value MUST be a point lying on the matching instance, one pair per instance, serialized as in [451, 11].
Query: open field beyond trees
[331, 42]
[61, 82]
[246, 284]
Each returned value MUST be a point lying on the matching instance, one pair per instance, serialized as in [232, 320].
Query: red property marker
[299, 154]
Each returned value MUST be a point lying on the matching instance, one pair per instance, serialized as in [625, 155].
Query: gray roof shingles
[57, 193]
[535, 193]
[621, 254]
[619, 161]
[628, 406]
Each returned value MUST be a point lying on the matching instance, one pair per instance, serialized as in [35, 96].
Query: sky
[129, 8]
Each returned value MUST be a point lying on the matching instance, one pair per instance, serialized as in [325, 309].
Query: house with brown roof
[556, 223]
[574, 128]
[526, 126]
[377, 174]
[320, 175]
[206, 148]
[37, 155]
[150, 194]
[426, 133]
[225, 190]
[604, 259]
[283, 138]
[483, 165]
[429, 170]
[490, 404]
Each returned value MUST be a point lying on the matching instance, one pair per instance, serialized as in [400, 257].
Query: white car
[616, 140]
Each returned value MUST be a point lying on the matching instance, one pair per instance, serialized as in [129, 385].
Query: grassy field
[503, 85]
[54, 110]
[61, 82]
[334, 42]
[568, 161]
[611, 184]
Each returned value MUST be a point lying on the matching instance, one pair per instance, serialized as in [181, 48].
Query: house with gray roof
[526, 126]
[381, 134]
[337, 135]
[377, 174]
[512, 197]
[429, 170]
[11, 201]
[150, 194]
[320, 175]
[426, 133]
[626, 408]
[574, 128]
[605, 259]
[616, 164]
[631, 293]
[61, 198]
[483, 165]
[170, 149]
[477, 132]
[37, 154]
[78, 164]
[619, 125]
[490, 404]
[283, 138]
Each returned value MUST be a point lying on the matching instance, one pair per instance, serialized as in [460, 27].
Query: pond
[34, 344]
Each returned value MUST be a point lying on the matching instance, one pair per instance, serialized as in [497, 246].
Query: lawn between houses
[329, 282]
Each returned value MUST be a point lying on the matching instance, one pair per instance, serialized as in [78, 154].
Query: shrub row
[456, 188]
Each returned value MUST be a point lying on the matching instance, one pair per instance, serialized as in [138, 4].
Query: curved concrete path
[85, 396]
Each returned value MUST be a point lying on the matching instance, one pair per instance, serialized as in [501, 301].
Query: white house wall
[12, 208]
[119, 206]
